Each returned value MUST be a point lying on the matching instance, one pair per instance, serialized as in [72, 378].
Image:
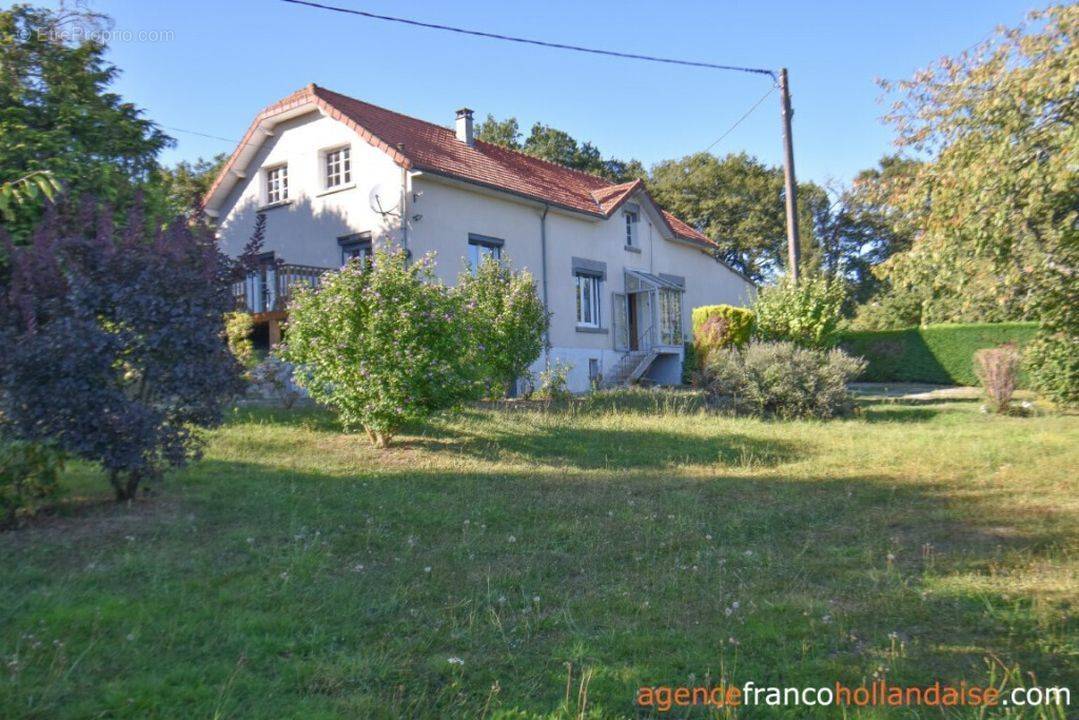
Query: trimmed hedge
[941, 354]
[740, 319]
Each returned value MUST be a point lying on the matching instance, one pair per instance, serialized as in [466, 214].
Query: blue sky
[226, 60]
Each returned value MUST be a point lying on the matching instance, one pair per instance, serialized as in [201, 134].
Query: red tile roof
[419, 145]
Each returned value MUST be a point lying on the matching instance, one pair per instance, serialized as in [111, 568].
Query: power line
[739, 120]
[202, 134]
[529, 41]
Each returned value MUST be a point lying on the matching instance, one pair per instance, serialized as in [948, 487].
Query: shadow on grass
[569, 445]
[259, 562]
[897, 414]
[555, 440]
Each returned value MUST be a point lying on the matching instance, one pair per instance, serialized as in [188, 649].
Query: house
[337, 177]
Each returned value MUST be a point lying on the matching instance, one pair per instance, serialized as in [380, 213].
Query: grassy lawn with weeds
[522, 563]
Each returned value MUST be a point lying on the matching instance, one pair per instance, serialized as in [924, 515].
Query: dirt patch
[92, 519]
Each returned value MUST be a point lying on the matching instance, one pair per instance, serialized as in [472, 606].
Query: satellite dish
[384, 200]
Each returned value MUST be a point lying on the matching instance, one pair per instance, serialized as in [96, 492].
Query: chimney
[464, 127]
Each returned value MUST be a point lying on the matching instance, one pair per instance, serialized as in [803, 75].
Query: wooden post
[274, 332]
[790, 185]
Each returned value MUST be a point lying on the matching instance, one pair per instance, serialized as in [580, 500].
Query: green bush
[781, 379]
[941, 354]
[715, 327]
[553, 384]
[690, 364]
[29, 473]
[382, 344]
[1052, 363]
[506, 322]
[736, 331]
[806, 313]
[238, 329]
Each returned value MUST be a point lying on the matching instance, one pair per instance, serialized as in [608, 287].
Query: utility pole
[791, 187]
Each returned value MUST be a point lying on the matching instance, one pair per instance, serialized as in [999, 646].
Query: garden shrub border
[940, 354]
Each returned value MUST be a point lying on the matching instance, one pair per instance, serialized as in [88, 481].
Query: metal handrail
[274, 297]
[648, 336]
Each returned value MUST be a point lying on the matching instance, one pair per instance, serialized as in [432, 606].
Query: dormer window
[632, 217]
[338, 167]
[277, 184]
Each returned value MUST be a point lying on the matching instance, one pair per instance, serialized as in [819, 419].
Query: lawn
[533, 564]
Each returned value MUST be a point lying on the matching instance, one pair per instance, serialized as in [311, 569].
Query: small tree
[806, 313]
[112, 344]
[998, 371]
[506, 321]
[381, 343]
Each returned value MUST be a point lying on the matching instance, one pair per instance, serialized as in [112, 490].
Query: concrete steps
[630, 368]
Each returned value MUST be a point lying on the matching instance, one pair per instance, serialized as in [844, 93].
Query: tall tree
[737, 201]
[57, 114]
[998, 192]
[558, 146]
[506, 133]
[185, 184]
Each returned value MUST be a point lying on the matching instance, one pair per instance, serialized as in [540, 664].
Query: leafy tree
[996, 195]
[737, 200]
[27, 189]
[506, 321]
[806, 313]
[381, 343]
[864, 229]
[506, 133]
[57, 115]
[186, 183]
[558, 146]
[112, 341]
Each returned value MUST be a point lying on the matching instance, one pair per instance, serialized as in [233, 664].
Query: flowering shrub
[381, 343]
[806, 313]
[505, 322]
[783, 380]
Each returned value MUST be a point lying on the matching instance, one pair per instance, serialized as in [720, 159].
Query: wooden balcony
[267, 290]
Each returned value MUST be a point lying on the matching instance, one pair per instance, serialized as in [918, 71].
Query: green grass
[298, 573]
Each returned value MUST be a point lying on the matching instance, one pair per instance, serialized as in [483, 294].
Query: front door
[631, 311]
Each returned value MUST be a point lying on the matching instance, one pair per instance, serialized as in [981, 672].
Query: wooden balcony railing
[268, 288]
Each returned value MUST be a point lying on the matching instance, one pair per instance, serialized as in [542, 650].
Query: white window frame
[337, 167]
[277, 184]
[632, 219]
[589, 288]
